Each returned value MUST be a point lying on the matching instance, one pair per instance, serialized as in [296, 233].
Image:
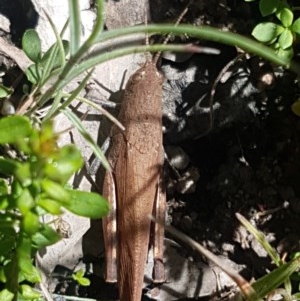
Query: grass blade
[259, 236]
[78, 124]
[75, 22]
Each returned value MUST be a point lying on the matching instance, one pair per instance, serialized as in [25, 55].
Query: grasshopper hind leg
[110, 230]
[158, 239]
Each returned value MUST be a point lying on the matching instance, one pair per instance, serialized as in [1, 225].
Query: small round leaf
[6, 295]
[30, 223]
[32, 74]
[266, 32]
[84, 281]
[296, 26]
[13, 128]
[87, 204]
[268, 7]
[46, 236]
[286, 39]
[286, 16]
[285, 53]
[31, 45]
[29, 293]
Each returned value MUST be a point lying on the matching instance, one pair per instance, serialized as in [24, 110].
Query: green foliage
[281, 36]
[79, 277]
[37, 187]
[65, 60]
[282, 275]
[31, 45]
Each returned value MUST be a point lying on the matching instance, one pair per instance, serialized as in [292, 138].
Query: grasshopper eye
[138, 76]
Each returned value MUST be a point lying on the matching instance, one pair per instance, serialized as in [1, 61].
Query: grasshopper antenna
[148, 55]
[166, 40]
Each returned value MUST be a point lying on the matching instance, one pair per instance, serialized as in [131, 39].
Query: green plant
[33, 184]
[79, 277]
[284, 272]
[281, 36]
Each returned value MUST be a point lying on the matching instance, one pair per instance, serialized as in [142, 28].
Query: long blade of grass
[102, 111]
[57, 106]
[52, 60]
[259, 236]
[206, 33]
[99, 25]
[75, 32]
[93, 61]
[74, 94]
[78, 124]
[59, 48]
[266, 284]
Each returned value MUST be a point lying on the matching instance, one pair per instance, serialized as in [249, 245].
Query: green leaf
[45, 237]
[4, 91]
[268, 7]
[5, 201]
[24, 249]
[13, 128]
[259, 236]
[25, 202]
[87, 204]
[30, 223]
[53, 57]
[31, 45]
[64, 165]
[29, 271]
[79, 277]
[286, 39]
[7, 240]
[32, 74]
[3, 187]
[268, 283]
[296, 107]
[79, 274]
[23, 173]
[60, 47]
[285, 53]
[84, 281]
[29, 293]
[8, 167]
[266, 32]
[56, 191]
[3, 278]
[296, 26]
[50, 206]
[6, 295]
[286, 16]
[94, 146]
[75, 28]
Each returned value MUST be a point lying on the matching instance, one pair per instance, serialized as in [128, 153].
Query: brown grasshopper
[134, 187]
